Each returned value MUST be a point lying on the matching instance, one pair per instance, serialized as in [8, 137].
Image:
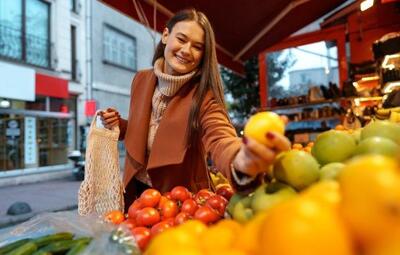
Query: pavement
[48, 196]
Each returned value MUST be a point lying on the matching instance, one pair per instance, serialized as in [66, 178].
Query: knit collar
[170, 84]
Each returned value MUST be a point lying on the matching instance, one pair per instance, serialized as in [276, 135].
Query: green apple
[297, 168]
[268, 195]
[233, 201]
[331, 171]
[242, 211]
[378, 145]
[356, 134]
[382, 128]
[333, 146]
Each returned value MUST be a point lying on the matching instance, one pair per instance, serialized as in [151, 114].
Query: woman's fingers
[279, 142]
[259, 149]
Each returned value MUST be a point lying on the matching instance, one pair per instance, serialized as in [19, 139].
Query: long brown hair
[210, 79]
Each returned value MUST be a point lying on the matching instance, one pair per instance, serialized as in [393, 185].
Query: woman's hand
[254, 158]
[110, 118]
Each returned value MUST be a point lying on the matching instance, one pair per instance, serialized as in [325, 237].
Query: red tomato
[129, 223]
[162, 200]
[207, 215]
[181, 218]
[147, 216]
[142, 236]
[202, 196]
[168, 209]
[134, 208]
[115, 217]
[150, 197]
[225, 191]
[167, 195]
[218, 203]
[189, 206]
[171, 221]
[160, 227]
[180, 193]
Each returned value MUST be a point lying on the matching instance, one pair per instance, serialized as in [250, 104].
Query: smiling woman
[177, 117]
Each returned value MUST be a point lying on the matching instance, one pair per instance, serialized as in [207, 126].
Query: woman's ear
[164, 36]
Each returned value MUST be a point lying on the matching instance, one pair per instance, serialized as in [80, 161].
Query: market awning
[242, 28]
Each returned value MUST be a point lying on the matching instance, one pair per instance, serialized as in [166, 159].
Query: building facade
[42, 88]
[59, 61]
[120, 47]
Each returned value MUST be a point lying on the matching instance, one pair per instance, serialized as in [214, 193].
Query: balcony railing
[27, 48]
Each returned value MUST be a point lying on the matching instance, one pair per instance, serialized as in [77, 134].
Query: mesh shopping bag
[102, 190]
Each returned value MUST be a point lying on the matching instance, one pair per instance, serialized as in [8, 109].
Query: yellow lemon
[261, 123]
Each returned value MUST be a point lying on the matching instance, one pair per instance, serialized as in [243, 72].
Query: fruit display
[339, 196]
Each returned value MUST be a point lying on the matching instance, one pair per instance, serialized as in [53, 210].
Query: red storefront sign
[90, 108]
[46, 85]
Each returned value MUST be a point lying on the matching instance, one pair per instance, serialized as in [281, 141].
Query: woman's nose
[186, 48]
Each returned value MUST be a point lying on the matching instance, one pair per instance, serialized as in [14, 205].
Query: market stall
[334, 192]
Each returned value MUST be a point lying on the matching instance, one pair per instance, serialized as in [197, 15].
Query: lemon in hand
[261, 123]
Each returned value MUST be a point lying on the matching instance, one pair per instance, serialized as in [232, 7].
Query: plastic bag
[107, 238]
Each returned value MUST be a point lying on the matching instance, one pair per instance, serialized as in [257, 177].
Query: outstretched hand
[254, 158]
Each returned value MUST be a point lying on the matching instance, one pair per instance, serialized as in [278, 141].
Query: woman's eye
[180, 39]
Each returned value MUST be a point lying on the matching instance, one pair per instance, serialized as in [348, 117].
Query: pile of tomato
[153, 212]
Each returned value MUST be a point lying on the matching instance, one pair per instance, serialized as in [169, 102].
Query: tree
[277, 64]
[243, 90]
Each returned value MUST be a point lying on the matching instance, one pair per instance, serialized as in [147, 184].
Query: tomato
[129, 223]
[147, 216]
[115, 217]
[218, 203]
[150, 197]
[207, 215]
[168, 209]
[181, 218]
[202, 196]
[180, 193]
[225, 191]
[160, 227]
[171, 221]
[142, 236]
[167, 195]
[189, 206]
[134, 208]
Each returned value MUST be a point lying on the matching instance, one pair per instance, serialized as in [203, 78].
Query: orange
[325, 192]
[174, 241]
[303, 226]
[220, 237]
[370, 189]
[249, 238]
[261, 123]
[297, 146]
[340, 127]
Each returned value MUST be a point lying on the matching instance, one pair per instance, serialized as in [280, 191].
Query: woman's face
[184, 47]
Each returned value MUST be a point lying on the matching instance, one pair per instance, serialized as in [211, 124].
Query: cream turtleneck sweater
[167, 86]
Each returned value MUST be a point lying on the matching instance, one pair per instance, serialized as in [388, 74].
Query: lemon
[261, 123]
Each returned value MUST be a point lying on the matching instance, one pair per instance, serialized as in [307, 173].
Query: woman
[177, 115]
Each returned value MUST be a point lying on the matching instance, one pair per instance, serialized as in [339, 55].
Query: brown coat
[170, 162]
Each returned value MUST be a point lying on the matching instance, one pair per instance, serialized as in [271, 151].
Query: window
[74, 60]
[293, 71]
[73, 5]
[119, 48]
[24, 31]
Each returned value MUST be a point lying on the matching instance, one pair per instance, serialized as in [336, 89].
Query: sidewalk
[49, 196]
